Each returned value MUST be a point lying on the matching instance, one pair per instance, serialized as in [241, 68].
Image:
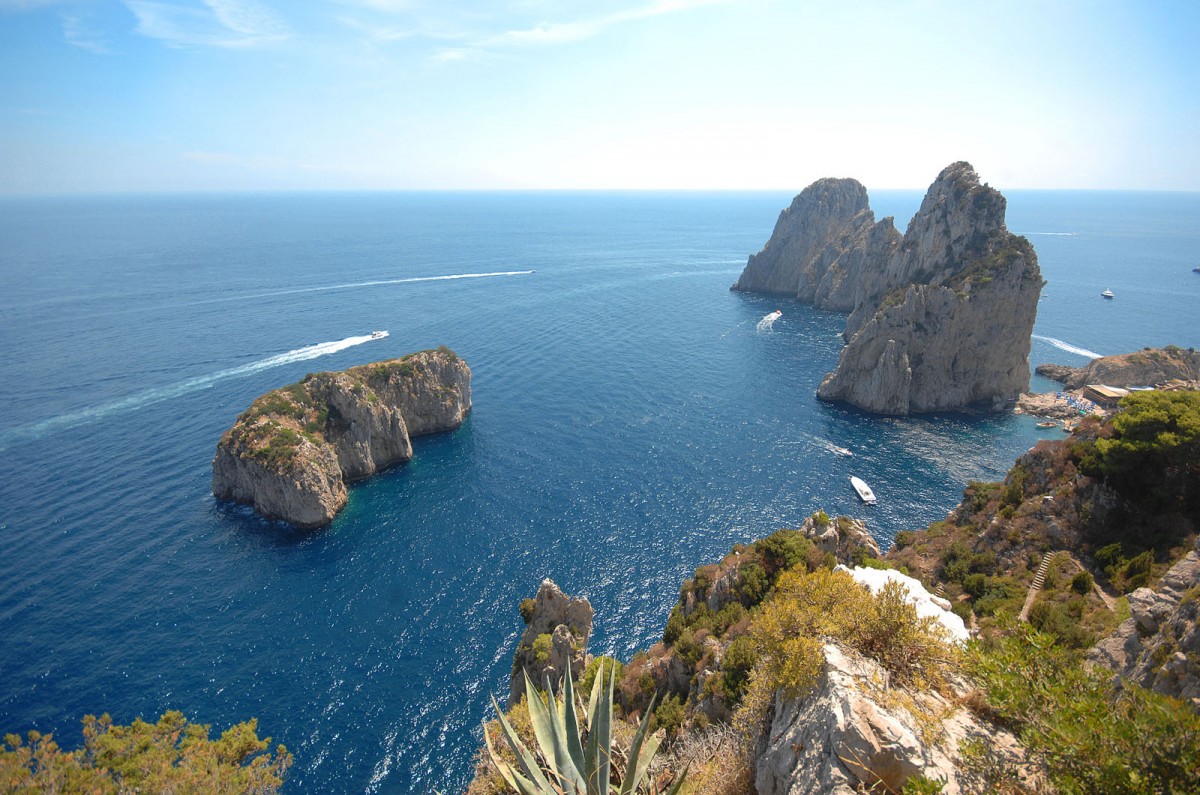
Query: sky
[213, 95]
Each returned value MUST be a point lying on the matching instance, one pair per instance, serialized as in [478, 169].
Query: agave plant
[575, 763]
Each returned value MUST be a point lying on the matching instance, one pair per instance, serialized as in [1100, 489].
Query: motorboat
[864, 491]
[1047, 424]
[378, 335]
[840, 450]
[1108, 294]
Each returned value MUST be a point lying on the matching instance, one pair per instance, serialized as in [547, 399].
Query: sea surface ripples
[630, 423]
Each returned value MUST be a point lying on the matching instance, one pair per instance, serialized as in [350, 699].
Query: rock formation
[1150, 367]
[1158, 646]
[292, 452]
[940, 318]
[823, 247]
[854, 734]
[565, 624]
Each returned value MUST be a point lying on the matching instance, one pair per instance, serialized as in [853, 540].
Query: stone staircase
[1039, 580]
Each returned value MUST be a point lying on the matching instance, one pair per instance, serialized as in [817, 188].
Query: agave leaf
[528, 764]
[633, 770]
[591, 753]
[510, 776]
[674, 790]
[602, 728]
[547, 720]
[571, 724]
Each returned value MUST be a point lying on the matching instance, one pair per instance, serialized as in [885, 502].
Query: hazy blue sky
[99, 95]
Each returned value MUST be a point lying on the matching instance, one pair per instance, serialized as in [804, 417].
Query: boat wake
[1068, 347]
[825, 444]
[768, 321]
[377, 283]
[93, 413]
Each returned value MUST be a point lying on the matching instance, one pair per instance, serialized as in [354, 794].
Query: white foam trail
[377, 283]
[768, 321]
[93, 413]
[1066, 346]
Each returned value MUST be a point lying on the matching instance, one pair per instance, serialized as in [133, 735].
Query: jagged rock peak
[820, 246]
[292, 452]
[946, 323]
[557, 628]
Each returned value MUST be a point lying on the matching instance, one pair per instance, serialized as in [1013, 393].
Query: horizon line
[131, 193]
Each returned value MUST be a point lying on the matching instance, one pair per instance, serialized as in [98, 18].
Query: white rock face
[927, 604]
[849, 735]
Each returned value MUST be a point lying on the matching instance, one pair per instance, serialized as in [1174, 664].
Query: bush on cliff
[172, 755]
[1154, 452]
[1093, 736]
[790, 628]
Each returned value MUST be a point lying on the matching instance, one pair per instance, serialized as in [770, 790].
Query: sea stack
[291, 454]
[941, 317]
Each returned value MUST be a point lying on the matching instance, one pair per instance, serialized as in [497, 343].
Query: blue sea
[631, 421]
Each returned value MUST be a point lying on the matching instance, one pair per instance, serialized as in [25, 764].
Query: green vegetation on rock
[172, 755]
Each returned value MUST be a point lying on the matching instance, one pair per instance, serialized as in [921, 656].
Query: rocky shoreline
[291, 454]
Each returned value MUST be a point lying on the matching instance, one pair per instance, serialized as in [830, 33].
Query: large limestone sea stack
[292, 452]
[940, 318]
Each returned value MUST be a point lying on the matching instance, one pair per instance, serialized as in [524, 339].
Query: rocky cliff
[292, 452]
[959, 298]
[1158, 646]
[853, 733]
[1150, 367]
[823, 248]
[940, 317]
[557, 628]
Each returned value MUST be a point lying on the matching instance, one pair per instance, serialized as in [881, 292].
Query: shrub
[782, 550]
[526, 608]
[1092, 737]
[1052, 618]
[1137, 570]
[753, 584]
[171, 755]
[1082, 583]
[541, 648]
[669, 716]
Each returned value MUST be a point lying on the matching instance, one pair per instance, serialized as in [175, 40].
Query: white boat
[1108, 294]
[840, 450]
[378, 335]
[864, 491]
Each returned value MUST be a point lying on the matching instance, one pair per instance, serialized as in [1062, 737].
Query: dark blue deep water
[629, 424]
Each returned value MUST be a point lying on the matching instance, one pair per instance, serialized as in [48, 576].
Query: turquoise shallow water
[630, 423]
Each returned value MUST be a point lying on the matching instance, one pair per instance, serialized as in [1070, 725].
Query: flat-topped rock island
[291, 454]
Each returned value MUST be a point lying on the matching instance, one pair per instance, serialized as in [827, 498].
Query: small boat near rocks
[378, 335]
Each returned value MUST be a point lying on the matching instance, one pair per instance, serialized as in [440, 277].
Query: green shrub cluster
[1094, 738]
[172, 755]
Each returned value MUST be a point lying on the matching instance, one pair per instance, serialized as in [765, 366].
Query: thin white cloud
[79, 33]
[555, 33]
[215, 23]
